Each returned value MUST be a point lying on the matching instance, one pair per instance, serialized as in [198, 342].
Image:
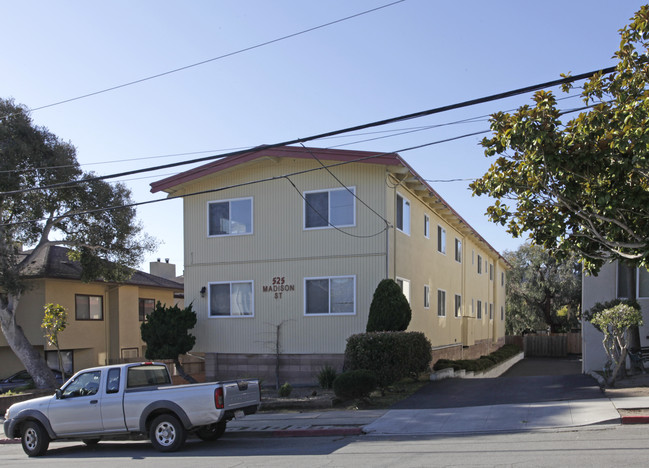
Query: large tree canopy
[581, 186]
[106, 242]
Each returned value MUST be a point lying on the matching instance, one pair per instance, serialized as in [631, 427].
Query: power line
[230, 54]
[415, 115]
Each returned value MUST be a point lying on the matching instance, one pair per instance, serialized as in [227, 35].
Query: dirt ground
[634, 385]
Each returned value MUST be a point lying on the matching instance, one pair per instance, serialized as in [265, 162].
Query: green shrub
[392, 356]
[285, 390]
[355, 384]
[326, 377]
[389, 310]
[482, 363]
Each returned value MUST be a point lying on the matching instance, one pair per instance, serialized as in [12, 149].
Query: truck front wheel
[34, 438]
[167, 434]
[211, 432]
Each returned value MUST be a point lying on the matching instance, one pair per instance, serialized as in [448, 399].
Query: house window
[643, 283]
[502, 313]
[479, 264]
[232, 299]
[330, 296]
[479, 314]
[472, 257]
[458, 305]
[491, 311]
[229, 217]
[145, 308]
[52, 359]
[404, 284]
[89, 307]
[441, 239]
[426, 296]
[426, 227]
[502, 278]
[403, 215]
[441, 303]
[458, 250]
[326, 208]
[491, 272]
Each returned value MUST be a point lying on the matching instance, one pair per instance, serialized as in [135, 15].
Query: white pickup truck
[129, 401]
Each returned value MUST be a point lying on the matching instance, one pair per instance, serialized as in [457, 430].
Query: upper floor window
[426, 227]
[404, 284]
[426, 296]
[479, 310]
[441, 239]
[458, 250]
[229, 217]
[458, 305]
[491, 272]
[334, 295]
[327, 208]
[502, 278]
[233, 299]
[479, 264]
[502, 313]
[89, 307]
[441, 303]
[145, 308]
[403, 214]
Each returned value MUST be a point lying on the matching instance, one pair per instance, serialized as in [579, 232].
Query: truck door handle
[94, 402]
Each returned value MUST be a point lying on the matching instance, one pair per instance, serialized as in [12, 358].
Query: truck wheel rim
[165, 434]
[31, 439]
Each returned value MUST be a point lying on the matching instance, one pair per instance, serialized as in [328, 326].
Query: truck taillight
[218, 398]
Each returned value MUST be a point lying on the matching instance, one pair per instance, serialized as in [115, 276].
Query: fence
[556, 345]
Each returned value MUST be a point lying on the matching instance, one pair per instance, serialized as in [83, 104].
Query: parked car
[130, 401]
[22, 379]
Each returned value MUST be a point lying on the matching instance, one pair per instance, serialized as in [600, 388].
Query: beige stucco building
[284, 248]
[103, 318]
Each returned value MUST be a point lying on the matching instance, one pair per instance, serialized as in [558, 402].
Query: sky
[264, 83]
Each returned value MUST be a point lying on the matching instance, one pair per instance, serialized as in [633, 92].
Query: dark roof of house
[53, 262]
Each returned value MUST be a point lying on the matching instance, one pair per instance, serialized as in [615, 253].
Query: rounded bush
[285, 390]
[355, 384]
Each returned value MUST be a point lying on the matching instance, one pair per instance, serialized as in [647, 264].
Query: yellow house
[103, 318]
[284, 248]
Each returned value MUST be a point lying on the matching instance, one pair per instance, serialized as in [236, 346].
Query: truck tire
[167, 434]
[34, 438]
[211, 432]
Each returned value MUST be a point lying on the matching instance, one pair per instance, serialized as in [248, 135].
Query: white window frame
[441, 303]
[441, 239]
[478, 314]
[230, 283]
[458, 250]
[426, 296]
[479, 264]
[458, 306]
[330, 224]
[427, 226]
[229, 202]
[404, 284]
[405, 220]
[329, 313]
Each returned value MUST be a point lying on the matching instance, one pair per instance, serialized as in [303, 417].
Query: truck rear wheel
[34, 438]
[211, 432]
[167, 434]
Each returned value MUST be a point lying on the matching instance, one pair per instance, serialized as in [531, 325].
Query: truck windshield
[146, 375]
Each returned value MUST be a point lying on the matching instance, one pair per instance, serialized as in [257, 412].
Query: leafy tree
[166, 334]
[389, 310]
[615, 319]
[581, 186]
[54, 322]
[542, 291]
[106, 242]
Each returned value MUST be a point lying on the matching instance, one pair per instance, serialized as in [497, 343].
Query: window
[441, 303]
[112, 381]
[86, 384]
[479, 264]
[479, 314]
[426, 227]
[426, 296]
[231, 299]
[89, 307]
[404, 284]
[52, 359]
[403, 215]
[441, 239]
[145, 308]
[625, 281]
[334, 295]
[643, 282]
[491, 311]
[491, 272]
[326, 208]
[472, 257]
[229, 217]
[458, 250]
[458, 305]
[502, 313]
[502, 278]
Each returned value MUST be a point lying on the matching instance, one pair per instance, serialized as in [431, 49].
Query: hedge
[480, 364]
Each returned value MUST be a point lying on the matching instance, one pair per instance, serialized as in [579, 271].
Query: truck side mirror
[59, 394]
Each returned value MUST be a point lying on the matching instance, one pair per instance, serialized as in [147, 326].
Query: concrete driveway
[529, 381]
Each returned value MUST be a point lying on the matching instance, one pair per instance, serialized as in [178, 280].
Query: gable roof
[398, 167]
[53, 262]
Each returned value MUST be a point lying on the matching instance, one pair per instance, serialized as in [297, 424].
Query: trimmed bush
[392, 356]
[355, 384]
[482, 363]
[326, 377]
[285, 390]
[389, 310]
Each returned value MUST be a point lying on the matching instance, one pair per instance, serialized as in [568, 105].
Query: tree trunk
[32, 360]
[182, 373]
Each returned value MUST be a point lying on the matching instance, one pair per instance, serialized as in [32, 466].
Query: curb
[9, 441]
[319, 432]
[635, 419]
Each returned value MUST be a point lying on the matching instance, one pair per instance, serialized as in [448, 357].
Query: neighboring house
[282, 257]
[103, 318]
[612, 282]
